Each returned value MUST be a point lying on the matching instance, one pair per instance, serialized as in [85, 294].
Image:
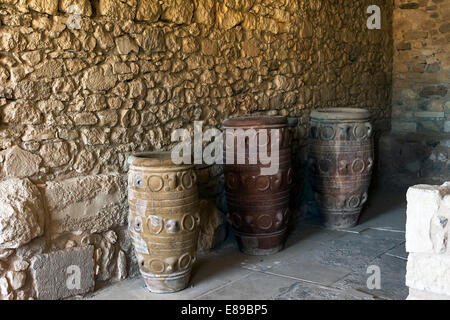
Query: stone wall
[418, 149]
[427, 231]
[74, 103]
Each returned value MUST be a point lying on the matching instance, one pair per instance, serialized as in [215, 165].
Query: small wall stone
[56, 274]
[19, 163]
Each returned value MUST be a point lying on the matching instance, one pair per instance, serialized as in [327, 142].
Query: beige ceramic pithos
[164, 219]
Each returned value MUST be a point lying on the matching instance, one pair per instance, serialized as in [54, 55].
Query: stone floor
[316, 264]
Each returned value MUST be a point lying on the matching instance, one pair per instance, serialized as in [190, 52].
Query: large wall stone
[21, 213]
[19, 163]
[91, 203]
[54, 273]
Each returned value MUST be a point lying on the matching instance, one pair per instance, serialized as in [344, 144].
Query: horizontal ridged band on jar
[146, 207]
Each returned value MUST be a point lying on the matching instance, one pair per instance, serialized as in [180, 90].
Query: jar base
[167, 284]
[260, 252]
[339, 220]
[262, 244]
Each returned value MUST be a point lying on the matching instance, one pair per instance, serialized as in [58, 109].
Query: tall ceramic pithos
[164, 219]
[341, 160]
[258, 203]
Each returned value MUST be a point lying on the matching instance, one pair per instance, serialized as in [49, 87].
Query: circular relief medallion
[360, 132]
[155, 224]
[155, 183]
[353, 202]
[184, 261]
[157, 266]
[138, 181]
[138, 224]
[327, 133]
[264, 221]
[172, 225]
[186, 180]
[188, 222]
[262, 183]
[358, 166]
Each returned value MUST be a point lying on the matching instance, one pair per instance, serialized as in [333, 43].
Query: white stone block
[429, 272]
[415, 294]
[427, 216]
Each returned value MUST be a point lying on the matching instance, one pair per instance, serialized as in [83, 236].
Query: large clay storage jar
[164, 219]
[258, 204]
[341, 159]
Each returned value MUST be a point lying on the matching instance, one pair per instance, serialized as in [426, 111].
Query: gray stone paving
[316, 264]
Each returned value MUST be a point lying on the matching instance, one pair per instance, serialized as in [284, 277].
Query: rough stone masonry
[74, 103]
[417, 150]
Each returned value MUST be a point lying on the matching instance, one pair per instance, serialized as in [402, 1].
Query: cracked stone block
[427, 214]
[415, 294]
[63, 273]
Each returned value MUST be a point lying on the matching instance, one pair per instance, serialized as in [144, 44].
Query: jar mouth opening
[157, 155]
[152, 159]
[340, 113]
[256, 120]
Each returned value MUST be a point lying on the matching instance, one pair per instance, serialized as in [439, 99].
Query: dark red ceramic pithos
[341, 161]
[258, 203]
